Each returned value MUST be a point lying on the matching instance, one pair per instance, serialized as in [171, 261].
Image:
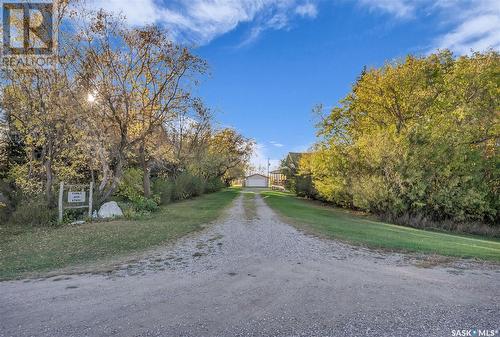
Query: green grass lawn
[345, 226]
[42, 250]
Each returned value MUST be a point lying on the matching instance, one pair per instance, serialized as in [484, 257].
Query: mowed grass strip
[249, 205]
[43, 250]
[343, 225]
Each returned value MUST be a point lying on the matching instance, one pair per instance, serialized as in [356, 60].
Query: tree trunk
[106, 172]
[146, 171]
[147, 182]
[48, 181]
[105, 177]
[48, 174]
[117, 176]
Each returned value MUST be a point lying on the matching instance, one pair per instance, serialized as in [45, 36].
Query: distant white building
[257, 180]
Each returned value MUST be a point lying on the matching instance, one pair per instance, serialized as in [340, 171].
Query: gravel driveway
[257, 277]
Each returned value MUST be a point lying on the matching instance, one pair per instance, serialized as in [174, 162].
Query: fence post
[91, 191]
[61, 193]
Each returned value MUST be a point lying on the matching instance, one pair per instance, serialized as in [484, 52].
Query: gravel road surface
[257, 277]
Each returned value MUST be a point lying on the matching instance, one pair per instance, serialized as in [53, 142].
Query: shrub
[140, 207]
[421, 221]
[164, 189]
[146, 205]
[187, 186]
[71, 215]
[214, 185]
[5, 202]
[184, 186]
[304, 186]
[130, 213]
[34, 213]
[4, 211]
[131, 187]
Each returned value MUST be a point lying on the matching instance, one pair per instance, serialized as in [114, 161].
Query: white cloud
[276, 144]
[200, 21]
[276, 22]
[211, 18]
[307, 10]
[260, 158]
[476, 27]
[468, 24]
[138, 12]
[399, 8]
[465, 24]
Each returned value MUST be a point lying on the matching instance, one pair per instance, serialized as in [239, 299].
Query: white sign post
[76, 198]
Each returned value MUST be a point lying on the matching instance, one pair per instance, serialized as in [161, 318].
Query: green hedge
[184, 186]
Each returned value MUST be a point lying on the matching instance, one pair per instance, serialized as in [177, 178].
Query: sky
[272, 61]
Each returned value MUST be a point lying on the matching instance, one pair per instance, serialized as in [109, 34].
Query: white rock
[110, 210]
[77, 223]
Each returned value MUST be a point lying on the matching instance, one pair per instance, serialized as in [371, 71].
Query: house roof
[295, 156]
[256, 174]
[293, 159]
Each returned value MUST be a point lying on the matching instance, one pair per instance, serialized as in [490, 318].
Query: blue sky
[271, 61]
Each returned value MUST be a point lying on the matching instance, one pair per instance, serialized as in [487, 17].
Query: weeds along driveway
[252, 275]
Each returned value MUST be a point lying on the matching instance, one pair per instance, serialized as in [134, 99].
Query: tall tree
[38, 107]
[227, 150]
[138, 79]
[417, 138]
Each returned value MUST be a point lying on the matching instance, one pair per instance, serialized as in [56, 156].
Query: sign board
[76, 197]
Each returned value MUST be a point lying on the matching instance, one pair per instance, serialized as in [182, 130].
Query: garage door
[257, 181]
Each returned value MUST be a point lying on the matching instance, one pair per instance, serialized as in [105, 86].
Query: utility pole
[268, 177]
